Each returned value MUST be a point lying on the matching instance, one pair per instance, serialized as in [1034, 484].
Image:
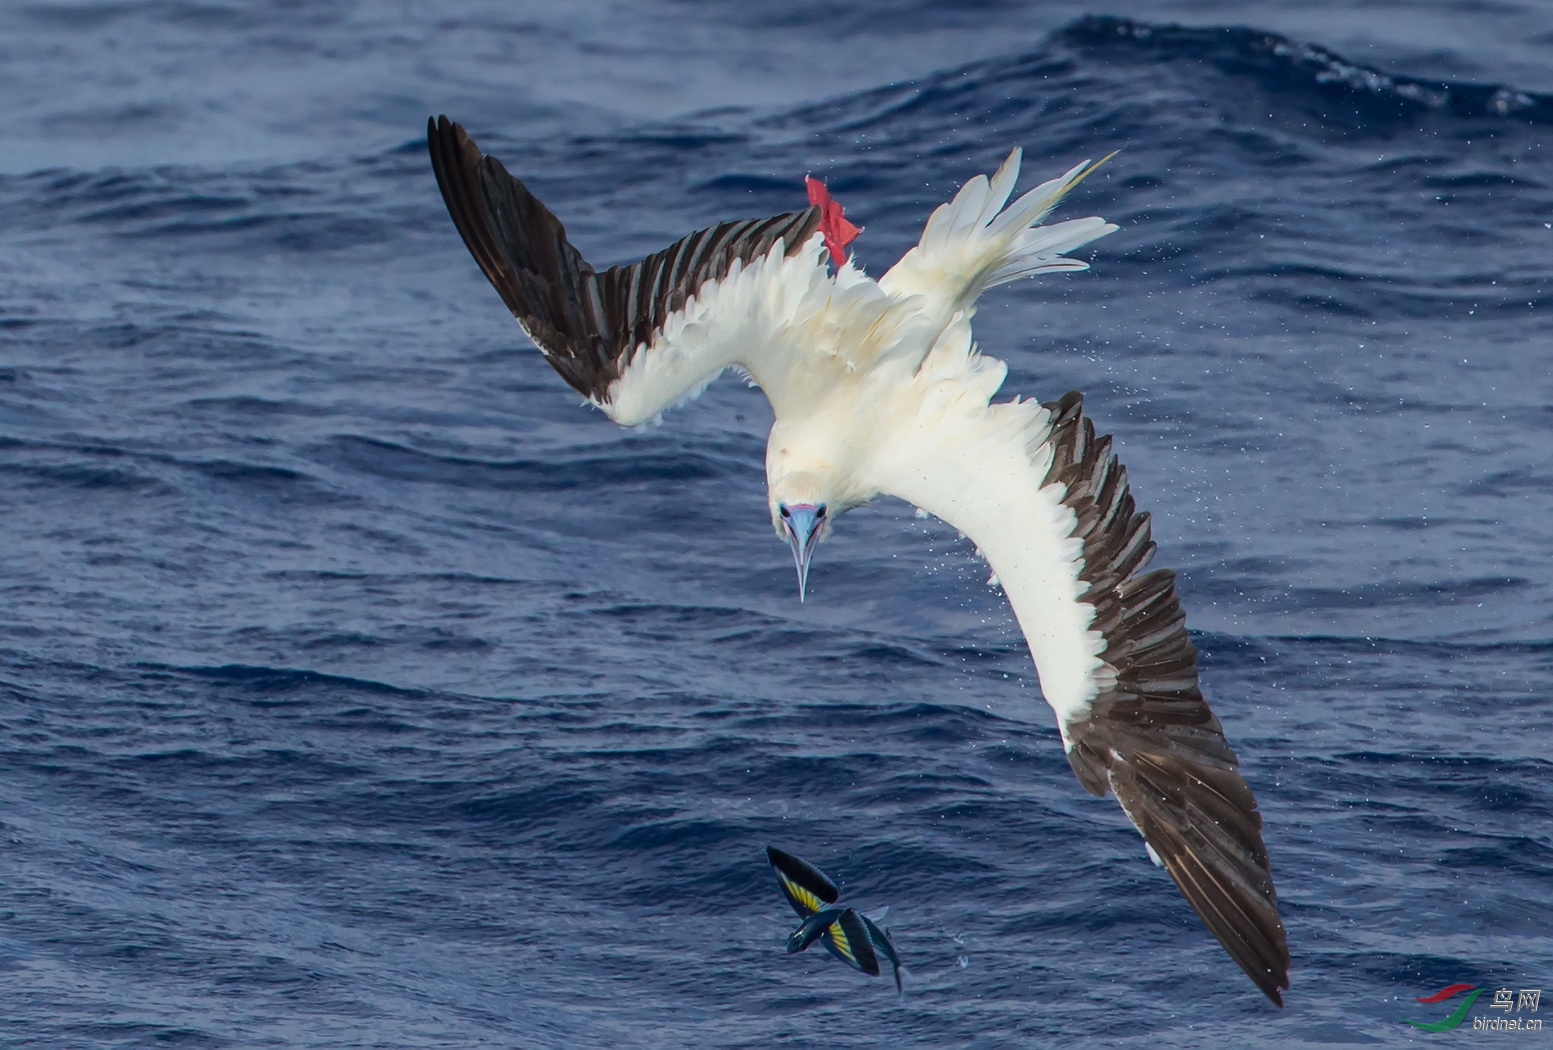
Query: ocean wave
[389, 459]
[1304, 69]
[356, 676]
[1237, 68]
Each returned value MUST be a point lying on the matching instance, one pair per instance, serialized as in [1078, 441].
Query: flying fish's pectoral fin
[806, 887]
[848, 940]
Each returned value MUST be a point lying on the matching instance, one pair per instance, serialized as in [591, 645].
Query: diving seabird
[877, 390]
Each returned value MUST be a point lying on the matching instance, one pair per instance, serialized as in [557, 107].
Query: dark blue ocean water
[358, 688]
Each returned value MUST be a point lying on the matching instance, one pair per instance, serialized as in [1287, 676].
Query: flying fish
[851, 936]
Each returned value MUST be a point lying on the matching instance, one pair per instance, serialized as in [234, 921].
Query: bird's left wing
[632, 339]
[1048, 505]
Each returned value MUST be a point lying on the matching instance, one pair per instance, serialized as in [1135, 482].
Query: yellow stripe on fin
[838, 937]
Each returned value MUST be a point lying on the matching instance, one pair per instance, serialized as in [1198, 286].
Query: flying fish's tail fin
[879, 937]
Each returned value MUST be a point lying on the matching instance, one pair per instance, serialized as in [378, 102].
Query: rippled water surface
[358, 688]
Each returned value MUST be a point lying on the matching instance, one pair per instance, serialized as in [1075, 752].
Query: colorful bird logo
[1460, 1014]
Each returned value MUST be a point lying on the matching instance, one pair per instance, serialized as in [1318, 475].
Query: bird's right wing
[1048, 505]
[635, 339]
[973, 242]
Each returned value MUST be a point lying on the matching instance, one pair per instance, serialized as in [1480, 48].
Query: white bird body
[878, 389]
[930, 435]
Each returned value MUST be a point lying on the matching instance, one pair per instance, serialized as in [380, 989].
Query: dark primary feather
[588, 324]
[1151, 738]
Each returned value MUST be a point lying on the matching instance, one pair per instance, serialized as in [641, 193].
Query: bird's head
[816, 463]
[801, 511]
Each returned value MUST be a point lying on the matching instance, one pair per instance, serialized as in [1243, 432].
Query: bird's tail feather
[978, 239]
[1040, 250]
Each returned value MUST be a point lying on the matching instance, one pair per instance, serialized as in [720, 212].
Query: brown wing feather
[1150, 738]
[589, 324]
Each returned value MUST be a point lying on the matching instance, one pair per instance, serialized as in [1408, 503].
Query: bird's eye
[785, 512]
[819, 513]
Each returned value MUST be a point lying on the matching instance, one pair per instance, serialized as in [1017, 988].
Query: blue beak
[802, 522]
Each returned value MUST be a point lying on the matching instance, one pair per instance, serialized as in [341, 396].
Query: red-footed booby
[878, 389]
